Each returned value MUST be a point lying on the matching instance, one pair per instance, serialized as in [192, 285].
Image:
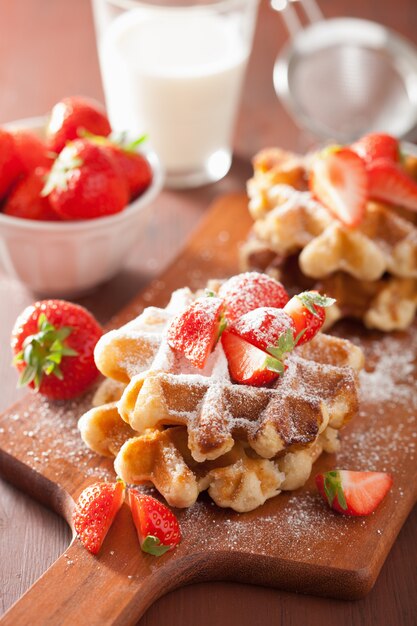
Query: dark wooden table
[47, 51]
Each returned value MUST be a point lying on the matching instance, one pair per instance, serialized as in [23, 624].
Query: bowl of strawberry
[74, 197]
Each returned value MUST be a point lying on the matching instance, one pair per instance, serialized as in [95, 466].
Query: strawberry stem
[333, 489]
[311, 299]
[43, 352]
[152, 545]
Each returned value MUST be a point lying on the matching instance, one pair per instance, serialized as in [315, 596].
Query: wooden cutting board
[292, 542]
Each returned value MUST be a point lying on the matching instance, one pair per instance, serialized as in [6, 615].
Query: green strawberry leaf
[43, 353]
[27, 376]
[152, 545]
[330, 150]
[284, 344]
[333, 489]
[311, 299]
[274, 365]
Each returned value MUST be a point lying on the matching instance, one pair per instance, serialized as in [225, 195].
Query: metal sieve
[343, 77]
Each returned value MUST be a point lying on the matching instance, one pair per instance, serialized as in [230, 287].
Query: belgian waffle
[319, 388]
[186, 430]
[239, 479]
[376, 261]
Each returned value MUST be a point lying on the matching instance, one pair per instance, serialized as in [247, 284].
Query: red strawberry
[307, 311]
[263, 327]
[53, 342]
[10, 165]
[157, 527]
[31, 150]
[71, 116]
[338, 179]
[195, 331]
[248, 364]
[377, 146]
[85, 183]
[25, 199]
[353, 493]
[95, 511]
[389, 183]
[135, 167]
[249, 291]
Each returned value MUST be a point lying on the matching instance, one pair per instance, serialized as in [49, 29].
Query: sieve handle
[290, 16]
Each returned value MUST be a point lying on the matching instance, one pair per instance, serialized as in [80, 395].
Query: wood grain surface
[285, 543]
[47, 50]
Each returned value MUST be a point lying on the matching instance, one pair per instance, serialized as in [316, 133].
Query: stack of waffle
[185, 430]
[371, 270]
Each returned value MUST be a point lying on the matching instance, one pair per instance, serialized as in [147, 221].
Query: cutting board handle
[112, 588]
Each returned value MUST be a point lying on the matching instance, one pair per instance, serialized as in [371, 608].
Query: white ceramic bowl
[69, 258]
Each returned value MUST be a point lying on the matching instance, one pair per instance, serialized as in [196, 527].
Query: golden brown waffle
[386, 304]
[315, 390]
[240, 479]
[374, 264]
[185, 430]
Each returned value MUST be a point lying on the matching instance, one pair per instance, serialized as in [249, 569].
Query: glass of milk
[174, 72]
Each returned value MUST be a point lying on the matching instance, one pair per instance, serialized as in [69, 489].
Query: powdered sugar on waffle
[294, 198]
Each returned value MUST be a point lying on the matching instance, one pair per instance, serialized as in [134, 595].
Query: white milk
[176, 78]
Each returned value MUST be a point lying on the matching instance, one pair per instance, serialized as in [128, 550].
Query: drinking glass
[173, 70]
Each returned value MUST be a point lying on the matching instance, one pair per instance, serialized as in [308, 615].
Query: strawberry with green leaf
[353, 493]
[256, 345]
[53, 343]
[133, 165]
[156, 525]
[308, 313]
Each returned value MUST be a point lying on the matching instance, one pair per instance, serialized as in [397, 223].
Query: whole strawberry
[31, 150]
[94, 513]
[53, 342]
[248, 291]
[85, 183]
[25, 200]
[10, 165]
[135, 167]
[71, 116]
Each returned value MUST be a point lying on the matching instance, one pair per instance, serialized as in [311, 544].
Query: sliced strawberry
[95, 511]
[157, 527]
[196, 330]
[389, 183]
[307, 311]
[353, 493]
[377, 146]
[338, 179]
[248, 364]
[263, 327]
[249, 291]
